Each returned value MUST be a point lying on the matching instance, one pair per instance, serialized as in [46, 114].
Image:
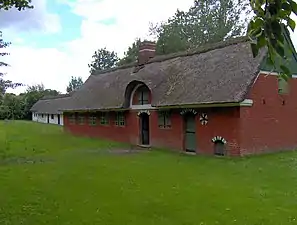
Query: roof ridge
[55, 97]
[199, 50]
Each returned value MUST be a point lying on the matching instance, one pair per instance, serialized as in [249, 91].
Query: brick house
[214, 100]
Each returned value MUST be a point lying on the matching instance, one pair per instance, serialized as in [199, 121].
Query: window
[72, 119]
[52, 116]
[283, 86]
[143, 96]
[81, 120]
[164, 119]
[42, 115]
[104, 120]
[120, 119]
[92, 120]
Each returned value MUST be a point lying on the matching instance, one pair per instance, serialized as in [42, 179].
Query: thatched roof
[50, 105]
[217, 73]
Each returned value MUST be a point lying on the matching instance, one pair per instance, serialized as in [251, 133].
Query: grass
[49, 177]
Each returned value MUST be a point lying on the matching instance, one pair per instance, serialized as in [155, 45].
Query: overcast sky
[56, 39]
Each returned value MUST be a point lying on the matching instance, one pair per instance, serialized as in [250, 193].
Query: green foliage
[103, 59]
[131, 54]
[5, 84]
[208, 21]
[74, 84]
[16, 107]
[18, 4]
[266, 30]
[7, 5]
[51, 177]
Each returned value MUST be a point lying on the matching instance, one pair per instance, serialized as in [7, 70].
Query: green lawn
[48, 177]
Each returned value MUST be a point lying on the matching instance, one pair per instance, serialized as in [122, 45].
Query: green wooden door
[190, 133]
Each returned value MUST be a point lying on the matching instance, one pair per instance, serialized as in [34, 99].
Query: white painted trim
[142, 107]
[144, 111]
[246, 102]
[219, 138]
[273, 73]
[147, 50]
[133, 92]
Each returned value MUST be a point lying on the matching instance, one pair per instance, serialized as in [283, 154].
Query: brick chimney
[147, 50]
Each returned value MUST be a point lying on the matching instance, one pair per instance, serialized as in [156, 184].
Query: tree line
[17, 107]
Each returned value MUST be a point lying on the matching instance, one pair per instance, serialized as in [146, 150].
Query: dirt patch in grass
[24, 160]
[113, 151]
[126, 151]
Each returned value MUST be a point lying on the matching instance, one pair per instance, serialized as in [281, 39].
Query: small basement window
[219, 148]
[92, 120]
[104, 120]
[120, 119]
[164, 120]
[283, 86]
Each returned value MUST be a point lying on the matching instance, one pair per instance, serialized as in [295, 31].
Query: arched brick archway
[137, 93]
[219, 145]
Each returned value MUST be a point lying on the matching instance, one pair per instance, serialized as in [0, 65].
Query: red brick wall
[269, 125]
[167, 137]
[127, 134]
[222, 122]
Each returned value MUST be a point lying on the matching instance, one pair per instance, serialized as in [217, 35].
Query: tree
[266, 28]
[32, 95]
[6, 5]
[103, 59]
[18, 4]
[131, 54]
[12, 107]
[74, 84]
[4, 84]
[208, 21]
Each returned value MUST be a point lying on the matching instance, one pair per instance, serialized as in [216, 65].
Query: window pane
[72, 119]
[81, 120]
[104, 120]
[161, 119]
[167, 120]
[92, 120]
[145, 97]
[164, 120]
[120, 119]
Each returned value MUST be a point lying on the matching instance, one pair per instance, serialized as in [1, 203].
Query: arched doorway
[190, 132]
[144, 120]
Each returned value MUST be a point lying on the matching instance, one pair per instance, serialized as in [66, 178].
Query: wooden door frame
[140, 133]
[184, 131]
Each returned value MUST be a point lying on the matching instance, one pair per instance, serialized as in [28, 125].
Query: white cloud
[54, 66]
[132, 16]
[36, 19]
[49, 66]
